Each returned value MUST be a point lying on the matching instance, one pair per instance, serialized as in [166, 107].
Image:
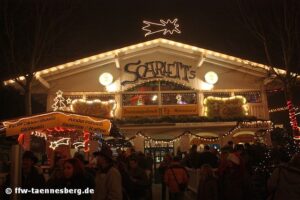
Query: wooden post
[15, 170]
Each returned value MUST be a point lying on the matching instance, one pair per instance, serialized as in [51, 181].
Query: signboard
[180, 110]
[158, 69]
[145, 111]
[54, 119]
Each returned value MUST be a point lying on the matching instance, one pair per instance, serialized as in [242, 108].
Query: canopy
[55, 119]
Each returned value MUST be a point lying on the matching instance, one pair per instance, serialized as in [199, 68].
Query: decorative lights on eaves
[107, 55]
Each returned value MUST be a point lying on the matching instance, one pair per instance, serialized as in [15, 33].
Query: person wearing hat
[108, 179]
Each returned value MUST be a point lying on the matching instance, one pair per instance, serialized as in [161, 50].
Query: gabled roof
[113, 55]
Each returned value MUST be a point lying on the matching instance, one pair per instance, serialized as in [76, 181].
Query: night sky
[214, 25]
[98, 26]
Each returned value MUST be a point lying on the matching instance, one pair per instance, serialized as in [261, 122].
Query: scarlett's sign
[158, 69]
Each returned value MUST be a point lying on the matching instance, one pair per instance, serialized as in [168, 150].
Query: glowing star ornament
[69, 101]
[57, 143]
[167, 27]
[78, 145]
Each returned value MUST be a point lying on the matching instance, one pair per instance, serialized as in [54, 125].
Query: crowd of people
[230, 173]
[243, 172]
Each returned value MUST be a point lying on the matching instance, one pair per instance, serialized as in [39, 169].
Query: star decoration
[63, 141]
[69, 101]
[166, 27]
[59, 93]
[78, 145]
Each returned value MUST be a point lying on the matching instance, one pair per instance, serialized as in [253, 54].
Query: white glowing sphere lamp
[211, 77]
[106, 79]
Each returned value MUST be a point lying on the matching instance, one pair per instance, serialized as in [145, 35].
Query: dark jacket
[208, 189]
[139, 183]
[208, 158]
[284, 183]
[34, 179]
[232, 184]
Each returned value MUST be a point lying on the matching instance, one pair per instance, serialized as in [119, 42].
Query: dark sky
[213, 24]
[96, 26]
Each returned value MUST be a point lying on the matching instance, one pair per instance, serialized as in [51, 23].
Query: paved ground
[156, 191]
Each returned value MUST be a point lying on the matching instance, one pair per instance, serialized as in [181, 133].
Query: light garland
[111, 54]
[39, 134]
[278, 109]
[95, 102]
[60, 142]
[282, 109]
[256, 124]
[293, 119]
[224, 99]
[152, 27]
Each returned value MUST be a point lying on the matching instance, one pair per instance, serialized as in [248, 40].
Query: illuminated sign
[158, 69]
[54, 119]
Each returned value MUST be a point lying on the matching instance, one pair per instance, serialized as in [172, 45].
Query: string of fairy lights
[268, 125]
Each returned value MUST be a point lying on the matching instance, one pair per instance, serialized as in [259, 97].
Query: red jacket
[181, 176]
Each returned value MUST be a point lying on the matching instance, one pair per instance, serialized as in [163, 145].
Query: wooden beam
[43, 82]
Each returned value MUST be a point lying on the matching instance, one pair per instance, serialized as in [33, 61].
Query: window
[217, 94]
[140, 99]
[251, 97]
[159, 93]
[179, 98]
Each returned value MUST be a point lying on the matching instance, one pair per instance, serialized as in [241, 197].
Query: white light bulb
[106, 79]
[211, 77]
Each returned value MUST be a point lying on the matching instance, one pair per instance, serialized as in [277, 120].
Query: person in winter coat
[175, 178]
[139, 182]
[207, 157]
[208, 184]
[73, 178]
[232, 178]
[284, 182]
[108, 178]
[32, 175]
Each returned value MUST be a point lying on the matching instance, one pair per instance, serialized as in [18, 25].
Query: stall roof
[114, 55]
[55, 119]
